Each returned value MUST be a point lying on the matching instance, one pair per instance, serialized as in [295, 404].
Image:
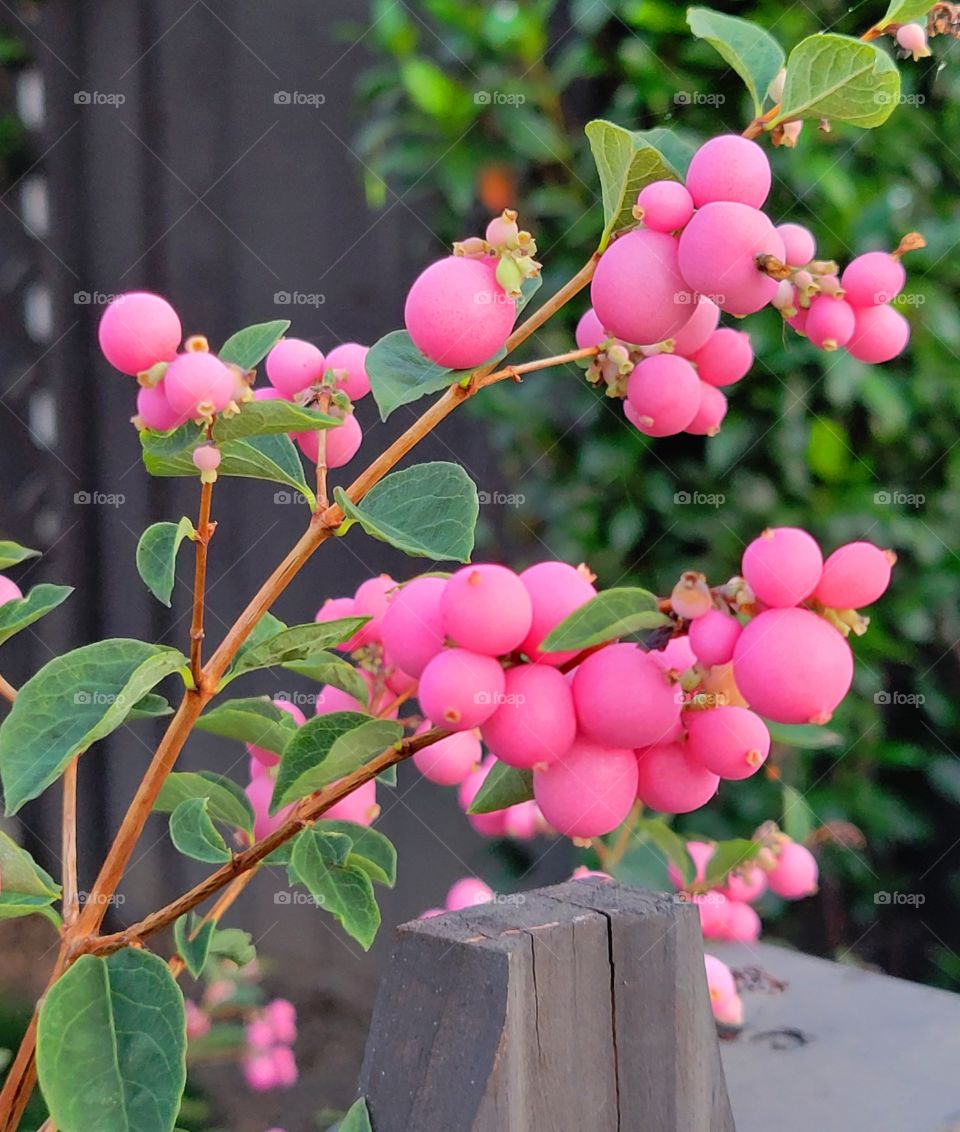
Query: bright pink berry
[638, 293]
[268, 393]
[536, 722]
[399, 682]
[589, 332]
[742, 924]
[331, 699]
[717, 256]
[791, 666]
[697, 329]
[523, 821]
[457, 313]
[830, 322]
[799, 244]
[487, 609]
[284, 1066]
[730, 1013]
[729, 168]
[589, 791]
[700, 853]
[731, 742]
[713, 636]
[782, 566]
[449, 761]
[155, 410]
[665, 206]
[664, 391]
[879, 335]
[197, 384]
[342, 442]
[581, 872]
[259, 793]
[460, 689]
[137, 330]
[412, 627]
[372, 599]
[712, 908]
[352, 359]
[795, 874]
[672, 781]
[720, 981]
[487, 825]
[725, 358]
[747, 884]
[623, 698]
[676, 656]
[873, 279]
[855, 575]
[358, 806]
[467, 893]
[710, 414]
[556, 590]
[336, 609]
[294, 365]
[259, 1073]
[9, 590]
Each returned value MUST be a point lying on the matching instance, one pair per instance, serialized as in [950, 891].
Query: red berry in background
[782, 566]
[486, 608]
[536, 722]
[624, 698]
[137, 330]
[855, 575]
[671, 781]
[589, 791]
[729, 168]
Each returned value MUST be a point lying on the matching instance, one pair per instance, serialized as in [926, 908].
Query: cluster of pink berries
[269, 1062]
[465, 893]
[705, 247]
[140, 334]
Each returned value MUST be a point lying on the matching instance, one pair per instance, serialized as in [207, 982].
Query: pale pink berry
[259, 792]
[331, 699]
[358, 806]
[913, 38]
[795, 874]
[281, 1016]
[468, 893]
[536, 722]
[799, 244]
[372, 599]
[198, 1021]
[449, 762]
[589, 791]
[137, 330]
[855, 575]
[792, 666]
[830, 322]
[782, 566]
[294, 365]
[710, 414]
[873, 279]
[638, 292]
[9, 590]
[487, 609]
[742, 923]
[747, 884]
[284, 1066]
[268, 393]
[259, 1073]
[664, 391]
[460, 689]
[729, 168]
[731, 742]
[522, 821]
[879, 335]
[412, 626]
[672, 781]
[625, 699]
[713, 636]
[399, 682]
[206, 458]
[730, 1013]
[342, 442]
[270, 758]
[720, 981]
[351, 358]
[589, 332]
[725, 357]
[697, 329]
[457, 313]
[197, 384]
[155, 410]
[664, 206]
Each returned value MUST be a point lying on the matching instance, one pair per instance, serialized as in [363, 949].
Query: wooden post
[578, 1007]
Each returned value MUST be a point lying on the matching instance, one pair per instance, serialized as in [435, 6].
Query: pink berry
[713, 636]
[342, 442]
[197, 384]
[372, 599]
[359, 806]
[399, 682]
[487, 825]
[460, 689]
[913, 38]
[294, 365]
[284, 1066]
[830, 322]
[468, 893]
[449, 761]
[268, 393]
[710, 414]
[676, 656]
[352, 359]
[798, 321]
[412, 628]
[730, 1013]
[206, 458]
[672, 781]
[791, 666]
[855, 575]
[589, 791]
[536, 722]
[581, 872]
[155, 410]
[331, 699]
[638, 293]
[281, 1016]
[457, 313]
[664, 391]
[747, 884]
[198, 1021]
[664, 206]
[556, 590]
[259, 793]
[271, 758]
[725, 358]
[880, 334]
[795, 874]
[873, 279]
[742, 923]
[731, 742]
[700, 853]
[729, 168]
[429, 913]
[336, 609]
[712, 908]
[486, 609]
[259, 1073]
[522, 821]
[623, 698]
[799, 244]
[137, 330]
[717, 256]
[9, 590]
[697, 329]
[782, 566]
[589, 332]
[720, 981]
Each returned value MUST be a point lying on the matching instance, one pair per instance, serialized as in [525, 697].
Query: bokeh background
[253, 162]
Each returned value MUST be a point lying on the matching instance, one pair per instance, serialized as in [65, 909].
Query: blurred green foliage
[468, 107]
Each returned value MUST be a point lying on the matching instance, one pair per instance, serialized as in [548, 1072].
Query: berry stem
[322, 500]
[205, 531]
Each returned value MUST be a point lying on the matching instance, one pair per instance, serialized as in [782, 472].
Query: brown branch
[7, 690]
[71, 897]
[322, 498]
[205, 531]
[216, 913]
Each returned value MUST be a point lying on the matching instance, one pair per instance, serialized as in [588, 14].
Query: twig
[7, 690]
[216, 913]
[71, 897]
[204, 533]
[322, 499]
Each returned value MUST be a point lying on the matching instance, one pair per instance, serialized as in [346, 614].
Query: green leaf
[252, 344]
[192, 936]
[612, 613]
[157, 556]
[750, 50]
[227, 802]
[26, 888]
[803, 736]
[334, 670]
[343, 890]
[73, 701]
[370, 849]
[151, 706]
[528, 288]
[428, 511]
[677, 146]
[841, 79]
[268, 626]
[671, 845]
[296, 643]
[357, 1118]
[904, 12]
[23, 611]
[328, 747]
[504, 786]
[254, 720]
[12, 553]
[195, 835]
[625, 163]
[112, 1044]
[260, 418]
[798, 819]
[728, 855]
[388, 777]
[234, 944]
